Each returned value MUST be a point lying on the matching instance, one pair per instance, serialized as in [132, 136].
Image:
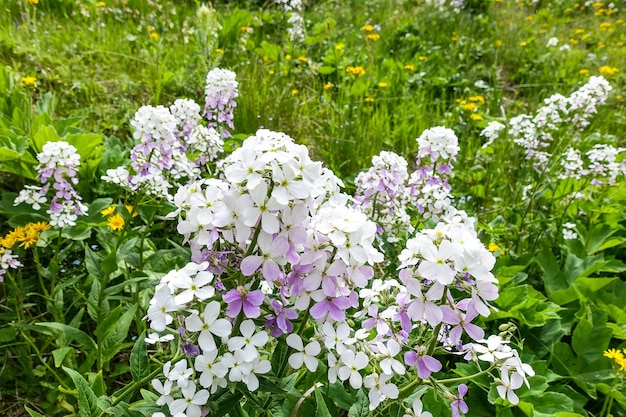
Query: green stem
[45, 363]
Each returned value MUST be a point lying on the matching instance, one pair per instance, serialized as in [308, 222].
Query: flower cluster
[279, 256]
[618, 358]
[296, 29]
[173, 146]
[22, 236]
[220, 92]
[535, 134]
[57, 170]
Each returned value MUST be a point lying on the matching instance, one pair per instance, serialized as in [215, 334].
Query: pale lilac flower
[379, 389]
[191, 403]
[240, 299]
[352, 364]
[249, 341]
[304, 354]
[458, 404]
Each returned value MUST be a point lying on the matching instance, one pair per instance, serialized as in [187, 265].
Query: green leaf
[72, 333]
[33, 413]
[322, 409]
[60, 354]
[590, 340]
[340, 396]
[360, 408]
[113, 342]
[87, 400]
[139, 366]
[97, 383]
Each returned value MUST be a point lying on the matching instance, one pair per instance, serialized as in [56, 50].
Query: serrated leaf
[87, 400]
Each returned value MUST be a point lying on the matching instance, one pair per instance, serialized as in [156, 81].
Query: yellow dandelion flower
[619, 97]
[303, 59]
[469, 106]
[584, 72]
[409, 67]
[339, 46]
[597, 5]
[476, 117]
[605, 25]
[383, 85]
[529, 18]
[29, 81]
[523, 44]
[619, 21]
[356, 71]
[7, 241]
[579, 31]
[454, 39]
[573, 41]
[244, 28]
[314, 67]
[219, 51]
[154, 36]
[606, 70]
[287, 57]
[271, 72]
[543, 32]
[328, 86]
[108, 211]
[33, 1]
[294, 92]
[116, 222]
[373, 37]
[422, 58]
[498, 43]
[367, 28]
[369, 99]
[131, 210]
[477, 99]
[101, 4]
[493, 247]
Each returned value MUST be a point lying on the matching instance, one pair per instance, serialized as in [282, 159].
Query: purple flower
[191, 350]
[458, 403]
[425, 364]
[240, 298]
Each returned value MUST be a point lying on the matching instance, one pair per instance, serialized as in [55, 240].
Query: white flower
[306, 355]
[160, 306]
[209, 325]
[211, 369]
[352, 364]
[379, 389]
[249, 341]
[389, 364]
[191, 403]
[417, 410]
[509, 384]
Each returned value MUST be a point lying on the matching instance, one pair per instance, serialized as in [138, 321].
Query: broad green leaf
[139, 365]
[113, 342]
[87, 400]
[321, 409]
[60, 354]
[360, 408]
[72, 333]
[107, 324]
[340, 396]
[44, 135]
[590, 340]
[550, 403]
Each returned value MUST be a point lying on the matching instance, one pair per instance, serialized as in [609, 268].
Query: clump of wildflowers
[23, 237]
[57, 171]
[277, 248]
[220, 93]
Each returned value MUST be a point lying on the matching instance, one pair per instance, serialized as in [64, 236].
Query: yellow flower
[454, 39]
[116, 222]
[154, 36]
[606, 70]
[29, 238]
[422, 58]
[367, 28]
[369, 99]
[7, 241]
[605, 25]
[529, 18]
[108, 211]
[409, 67]
[477, 99]
[101, 4]
[219, 51]
[294, 92]
[357, 71]
[244, 28]
[613, 354]
[29, 81]
[573, 41]
[579, 31]
[33, 1]
[131, 210]
[469, 106]
[584, 72]
[271, 72]
[597, 5]
[493, 247]
[339, 46]
[39, 226]
[287, 57]
[302, 59]
[328, 86]
[619, 21]
[373, 36]
[498, 43]
[523, 44]
[476, 117]
[383, 85]
[619, 97]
